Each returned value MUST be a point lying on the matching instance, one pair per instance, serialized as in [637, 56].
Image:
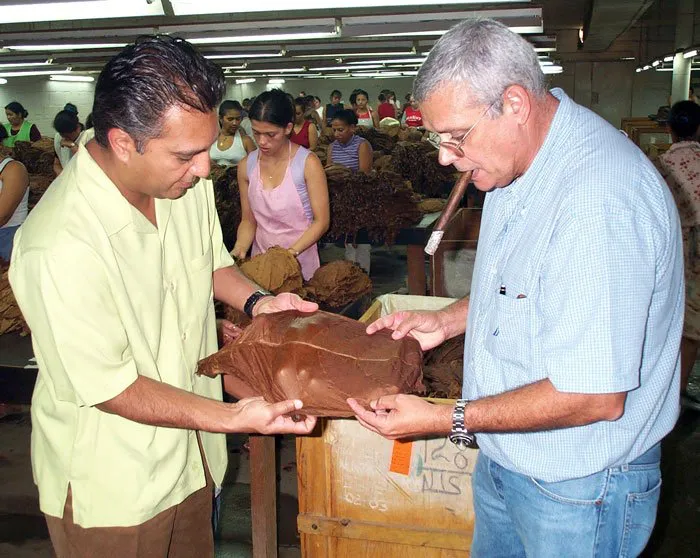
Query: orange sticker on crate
[401, 457]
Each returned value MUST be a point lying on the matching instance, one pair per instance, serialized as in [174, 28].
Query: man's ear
[516, 100]
[122, 144]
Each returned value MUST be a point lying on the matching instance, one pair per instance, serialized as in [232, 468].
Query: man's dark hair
[147, 78]
[228, 105]
[66, 122]
[684, 120]
[274, 106]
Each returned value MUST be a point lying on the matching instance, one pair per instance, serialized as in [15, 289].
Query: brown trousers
[183, 531]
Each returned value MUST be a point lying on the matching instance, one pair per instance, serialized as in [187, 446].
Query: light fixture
[554, 69]
[234, 56]
[263, 38]
[356, 67]
[244, 81]
[546, 63]
[33, 73]
[19, 11]
[70, 77]
[24, 64]
[77, 46]
[277, 70]
[545, 49]
[690, 53]
[668, 58]
[392, 61]
[3, 81]
[229, 68]
[627, 58]
[647, 67]
[638, 70]
[275, 81]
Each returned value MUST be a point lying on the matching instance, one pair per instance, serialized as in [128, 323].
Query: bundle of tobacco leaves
[35, 156]
[380, 141]
[443, 369]
[418, 162]
[228, 201]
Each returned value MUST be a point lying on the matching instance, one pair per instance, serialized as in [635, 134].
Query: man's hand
[427, 327]
[258, 416]
[404, 416]
[283, 301]
[227, 331]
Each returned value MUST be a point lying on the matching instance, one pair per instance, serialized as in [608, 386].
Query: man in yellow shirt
[115, 271]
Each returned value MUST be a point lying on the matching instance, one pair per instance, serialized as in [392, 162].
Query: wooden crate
[362, 496]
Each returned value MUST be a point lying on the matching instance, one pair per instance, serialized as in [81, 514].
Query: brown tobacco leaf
[277, 270]
[11, 318]
[320, 358]
[443, 369]
[338, 283]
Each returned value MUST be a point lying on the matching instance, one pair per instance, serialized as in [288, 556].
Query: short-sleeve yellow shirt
[108, 296]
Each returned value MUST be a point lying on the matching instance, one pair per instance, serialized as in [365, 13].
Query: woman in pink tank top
[283, 188]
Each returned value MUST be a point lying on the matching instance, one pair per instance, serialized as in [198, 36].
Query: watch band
[460, 436]
[253, 300]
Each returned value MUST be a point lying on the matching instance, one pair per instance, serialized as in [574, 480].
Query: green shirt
[22, 135]
[108, 297]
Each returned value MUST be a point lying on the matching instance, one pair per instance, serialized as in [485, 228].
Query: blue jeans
[606, 514]
[7, 235]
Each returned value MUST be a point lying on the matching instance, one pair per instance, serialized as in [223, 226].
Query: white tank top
[231, 156]
[20, 213]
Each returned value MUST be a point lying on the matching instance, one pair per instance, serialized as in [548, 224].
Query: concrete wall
[43, 99]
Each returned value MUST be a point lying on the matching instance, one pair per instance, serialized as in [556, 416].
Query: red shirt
[413, 117]
[386, 110]
[302, 137]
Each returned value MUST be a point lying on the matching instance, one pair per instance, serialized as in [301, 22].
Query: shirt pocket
[199, 283]
[508, 334]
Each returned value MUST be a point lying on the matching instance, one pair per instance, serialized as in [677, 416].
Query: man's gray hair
[486, 57]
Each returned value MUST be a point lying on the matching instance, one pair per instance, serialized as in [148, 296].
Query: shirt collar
[111, 207]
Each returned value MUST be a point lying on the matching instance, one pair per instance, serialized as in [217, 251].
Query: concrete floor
[23, 530]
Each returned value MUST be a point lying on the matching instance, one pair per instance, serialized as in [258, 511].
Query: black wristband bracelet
[253, 300]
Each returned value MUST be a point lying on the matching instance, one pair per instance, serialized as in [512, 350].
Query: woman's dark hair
[274, 106]
[317, 98]
[71, 107]
[347, 116]
[361, 92]
[88, 122]
[3, 133]
[684, 120]
[227, 106]
[143, 81]
[381, 97]
[300, 102]
[17, 108]
[66, 122]
[336, 93]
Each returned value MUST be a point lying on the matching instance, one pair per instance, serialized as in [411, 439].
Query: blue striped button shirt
[587, 246]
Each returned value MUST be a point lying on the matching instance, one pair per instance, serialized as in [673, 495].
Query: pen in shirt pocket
[502, 291]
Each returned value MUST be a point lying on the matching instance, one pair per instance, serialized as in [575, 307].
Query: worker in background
[232, 144]
[115, 271]
[332, 107]
[412, 116]
[680, 167]
[14, 198]
[65, 142]
[385, 108]
[18, 128]
[573, 327]
[354, 152]
[283, 189]
[304, 132]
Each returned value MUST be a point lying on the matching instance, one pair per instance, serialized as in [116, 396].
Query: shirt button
[172, 286]
[184, 336]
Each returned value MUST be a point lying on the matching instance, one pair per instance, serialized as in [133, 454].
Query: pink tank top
[283, 212]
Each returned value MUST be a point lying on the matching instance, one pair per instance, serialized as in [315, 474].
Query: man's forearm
[539, 406]
[232, 287]
[454, 318]
[150, 402]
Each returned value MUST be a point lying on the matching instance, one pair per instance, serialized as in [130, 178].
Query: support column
[684, 39]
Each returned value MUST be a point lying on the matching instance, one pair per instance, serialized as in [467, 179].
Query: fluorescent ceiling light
[3, 81]
[70, 77]
[80, 46]
[376, 74]
[690, 53]
[357, 67]
[545, 49]
[244, 81]
[275, 70]
[392, 61]
[647, 67]
[349, 54]
[555, 69]
[546, 63]
[520, 30]
[656, 63]
[275, 81]
[263, 38]
[198, 7]
[33, 73]
[638, 70]
[23, 64]
[627, 58]
[233, 56]
[241, 67]
[668, 58]
[24, 12]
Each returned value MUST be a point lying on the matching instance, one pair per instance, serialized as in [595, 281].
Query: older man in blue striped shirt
[573, 326]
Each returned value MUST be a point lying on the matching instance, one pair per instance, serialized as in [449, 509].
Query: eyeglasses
[455, 147]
